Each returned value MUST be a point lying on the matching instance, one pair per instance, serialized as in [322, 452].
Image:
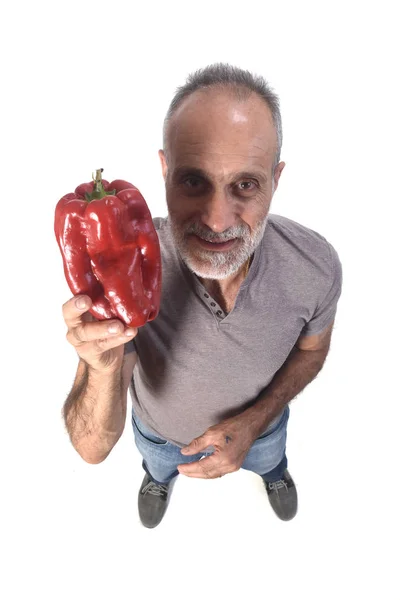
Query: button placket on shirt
[214, 306]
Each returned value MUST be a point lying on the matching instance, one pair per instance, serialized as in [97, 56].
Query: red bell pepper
[110, 250]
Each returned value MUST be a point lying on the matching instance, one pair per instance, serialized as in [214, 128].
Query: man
[247, 308]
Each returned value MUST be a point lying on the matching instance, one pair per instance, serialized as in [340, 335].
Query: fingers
[74, 309]
[198, 444]
[206, 468]
[99, 332]
[91, 351]
[106, 334]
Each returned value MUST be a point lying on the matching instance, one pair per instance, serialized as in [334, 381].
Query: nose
[218, 213]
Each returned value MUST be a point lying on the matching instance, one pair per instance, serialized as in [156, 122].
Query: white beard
[209, 264]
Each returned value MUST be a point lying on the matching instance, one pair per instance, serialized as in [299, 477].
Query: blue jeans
[266, 457]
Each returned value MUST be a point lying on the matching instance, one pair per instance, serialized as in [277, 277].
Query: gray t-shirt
[197, 365]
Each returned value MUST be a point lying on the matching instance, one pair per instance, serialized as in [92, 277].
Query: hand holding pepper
[100, 348]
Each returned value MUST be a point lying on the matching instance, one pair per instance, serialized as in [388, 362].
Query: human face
[219, 180]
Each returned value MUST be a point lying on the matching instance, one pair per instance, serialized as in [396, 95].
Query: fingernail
[112, 328]
[81, 303]
[184, 449]
[129, 332]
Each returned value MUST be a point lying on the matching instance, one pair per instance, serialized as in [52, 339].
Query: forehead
[216, 131]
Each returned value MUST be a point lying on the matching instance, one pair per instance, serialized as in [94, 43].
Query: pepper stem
[98, 188]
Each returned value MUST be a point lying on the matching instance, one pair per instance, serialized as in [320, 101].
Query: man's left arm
[233, 437]
[300, 368]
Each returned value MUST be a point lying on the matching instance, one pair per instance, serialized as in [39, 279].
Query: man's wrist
[258, 417]
[251, 421]
[104, 371]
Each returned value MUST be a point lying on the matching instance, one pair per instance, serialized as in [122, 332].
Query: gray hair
[242, 82]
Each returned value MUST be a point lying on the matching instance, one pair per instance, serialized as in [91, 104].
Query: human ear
[163, 161]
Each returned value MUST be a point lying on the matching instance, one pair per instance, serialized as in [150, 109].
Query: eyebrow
[186, 170]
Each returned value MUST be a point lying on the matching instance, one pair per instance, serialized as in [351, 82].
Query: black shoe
[153, 501]
[282, 496]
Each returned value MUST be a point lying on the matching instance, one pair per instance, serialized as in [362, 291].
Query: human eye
[193, 185]
[246, 186]
[192, 182]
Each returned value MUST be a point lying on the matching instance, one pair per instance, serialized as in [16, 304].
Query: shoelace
[276, 485]
[155, 489]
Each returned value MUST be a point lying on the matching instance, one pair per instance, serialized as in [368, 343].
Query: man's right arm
[95, 410]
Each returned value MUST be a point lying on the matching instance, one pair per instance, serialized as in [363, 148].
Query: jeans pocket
[144, 434]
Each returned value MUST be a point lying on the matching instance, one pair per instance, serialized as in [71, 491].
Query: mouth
[215, 246]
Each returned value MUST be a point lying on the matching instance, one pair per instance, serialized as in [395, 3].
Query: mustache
[210, 236]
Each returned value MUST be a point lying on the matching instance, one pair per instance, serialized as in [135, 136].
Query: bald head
[222, 121]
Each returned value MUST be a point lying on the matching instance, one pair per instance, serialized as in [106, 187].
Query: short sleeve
[326, 310]
[129, 347]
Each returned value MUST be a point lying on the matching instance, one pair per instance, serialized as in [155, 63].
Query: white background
[86, 85]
